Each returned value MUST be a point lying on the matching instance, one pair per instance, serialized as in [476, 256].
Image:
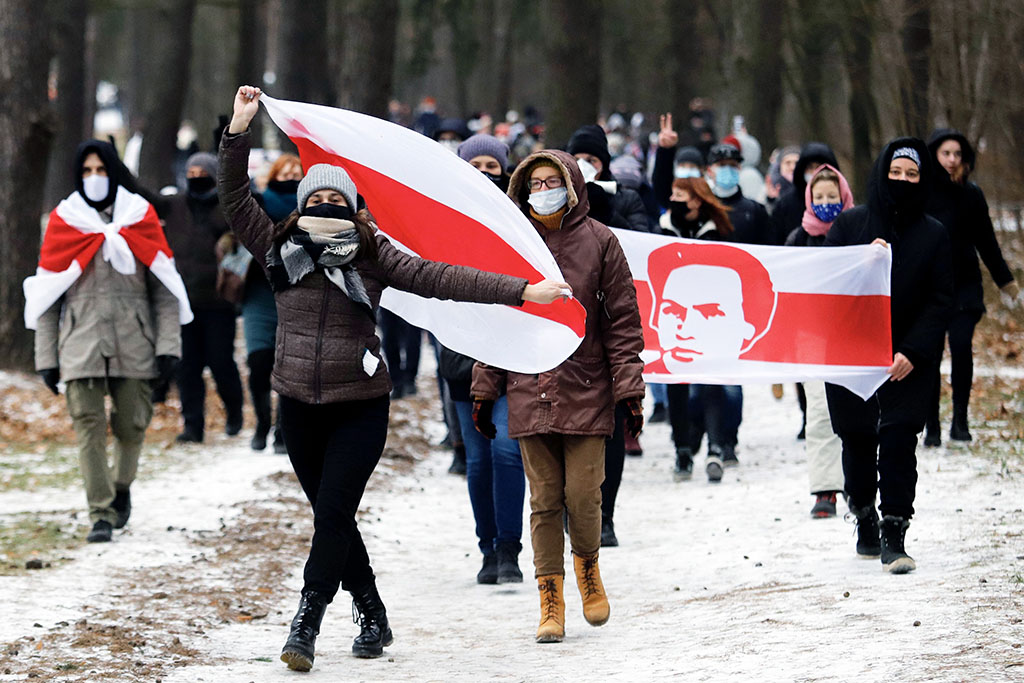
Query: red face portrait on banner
[711, 301]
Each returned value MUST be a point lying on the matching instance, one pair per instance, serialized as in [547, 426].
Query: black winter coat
[749, 220]
[962, 209]
[922, 284]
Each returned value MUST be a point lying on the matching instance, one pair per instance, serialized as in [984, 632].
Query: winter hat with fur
[327, 177]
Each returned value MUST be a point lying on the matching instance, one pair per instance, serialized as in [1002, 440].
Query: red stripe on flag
[813, 329]
[438, 232]
[63, 244]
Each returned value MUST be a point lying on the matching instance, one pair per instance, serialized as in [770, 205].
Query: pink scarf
[813, 225]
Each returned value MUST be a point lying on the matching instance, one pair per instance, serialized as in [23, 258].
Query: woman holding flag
[328, 265]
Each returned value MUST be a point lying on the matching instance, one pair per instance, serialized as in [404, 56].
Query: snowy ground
[711, 582]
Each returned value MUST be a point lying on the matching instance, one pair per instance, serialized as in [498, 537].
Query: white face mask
[96, 187]
[687, 172]
[588, 170]
[546, 202]
[451, 145]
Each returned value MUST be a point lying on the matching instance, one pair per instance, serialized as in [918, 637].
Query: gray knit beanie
[482, 144]
[327, 177]
[205, 161]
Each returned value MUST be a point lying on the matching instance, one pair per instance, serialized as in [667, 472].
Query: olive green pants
[129, 417]
[565, 474]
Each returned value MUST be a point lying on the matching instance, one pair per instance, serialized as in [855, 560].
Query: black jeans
[208, 342]
[880, 440]
[614, 459]
[401, 344]
[334, 448]
[961, 353]
[679, 413]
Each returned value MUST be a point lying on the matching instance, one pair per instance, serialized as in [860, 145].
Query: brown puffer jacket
[579, 396]
[322, 337]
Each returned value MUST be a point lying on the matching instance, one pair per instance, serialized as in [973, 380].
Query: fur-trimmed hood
[578, 204]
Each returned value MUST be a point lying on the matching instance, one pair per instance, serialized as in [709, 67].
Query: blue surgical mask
[827, 213]
[546, 202]
[687, 172]
[727, 179]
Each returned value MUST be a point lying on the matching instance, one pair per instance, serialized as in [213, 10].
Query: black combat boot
[299, 649]
[683, 470]
[488, 573]
[122, 506]
[868, 544]
[608, 537]
[958, 430]
[508, 562]
[261, 406]
[894, 557]
[368, 611]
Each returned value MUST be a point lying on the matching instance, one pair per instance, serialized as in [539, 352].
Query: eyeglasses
[552, 183]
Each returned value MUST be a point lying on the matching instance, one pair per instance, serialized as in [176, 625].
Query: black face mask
[500, 180]
[284, 186]
[903, 192]
[201, 185]
[326, 210]
[678, 216]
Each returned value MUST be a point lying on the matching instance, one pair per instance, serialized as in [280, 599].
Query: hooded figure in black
[880, 435]
[610, 202]
[790, 206]
[961, 207]
[115, 176]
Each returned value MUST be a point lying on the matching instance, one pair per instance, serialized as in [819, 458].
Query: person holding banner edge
[328, 266]
[879, 436]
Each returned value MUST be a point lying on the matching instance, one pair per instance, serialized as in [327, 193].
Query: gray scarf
[329, 244]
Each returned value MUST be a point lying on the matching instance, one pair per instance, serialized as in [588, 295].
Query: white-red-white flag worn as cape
[431, 203]
[721, 313]
[75, 232]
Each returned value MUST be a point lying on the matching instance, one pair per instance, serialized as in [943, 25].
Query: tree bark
[368, 65]
[252, 53]
[573, 63]
[502, 37]
[69, 25]
[857, 43]
[168, 52]
[684, 47]
[465, 49]
[815, 28]
[26, 130]
[766, 74]
[917, 44]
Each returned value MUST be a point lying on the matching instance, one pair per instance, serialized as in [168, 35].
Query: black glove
[50, 378]
[166, 366]
[482, 420]
[633, 408]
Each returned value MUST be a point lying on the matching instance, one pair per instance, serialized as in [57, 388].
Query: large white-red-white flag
[720, 313]
[431, 203]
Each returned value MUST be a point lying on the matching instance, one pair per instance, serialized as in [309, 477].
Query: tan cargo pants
[129, 418]
[565, 472]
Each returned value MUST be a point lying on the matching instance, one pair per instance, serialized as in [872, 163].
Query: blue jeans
[659, 393]
[494, 473]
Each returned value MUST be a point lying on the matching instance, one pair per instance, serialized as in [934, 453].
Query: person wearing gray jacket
[111, 332]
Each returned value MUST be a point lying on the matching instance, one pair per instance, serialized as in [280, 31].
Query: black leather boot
[261, 406]
[868, 543]
[958, 430]
[368, 611]
[508, 562]
[122, 506]
[299, 649]
[894, 556]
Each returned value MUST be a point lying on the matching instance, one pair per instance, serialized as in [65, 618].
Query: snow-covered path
[710, 582]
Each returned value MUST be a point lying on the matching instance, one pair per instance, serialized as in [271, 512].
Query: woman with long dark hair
[328, 265]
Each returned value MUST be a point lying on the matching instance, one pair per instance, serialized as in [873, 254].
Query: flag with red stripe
[721, 313]
[431, 203]
[75, 233]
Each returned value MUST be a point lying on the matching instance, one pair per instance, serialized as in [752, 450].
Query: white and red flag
[75, 232]
[431, 203]
[721, 313]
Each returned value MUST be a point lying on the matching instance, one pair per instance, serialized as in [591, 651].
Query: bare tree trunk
[502, 36]
[369, 64]
[26, 130]
[813, 35]
[69, 25]
[573, 56]
[168, 52]
[465, 48]
[766, 74]
[857, 43]
[917, 44]
[252, 53]
[684, 56]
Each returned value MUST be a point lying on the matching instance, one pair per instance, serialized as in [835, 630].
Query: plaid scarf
[327, 244]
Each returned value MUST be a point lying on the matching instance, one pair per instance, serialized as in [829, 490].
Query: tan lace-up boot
[588, 577]
[552, 609]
